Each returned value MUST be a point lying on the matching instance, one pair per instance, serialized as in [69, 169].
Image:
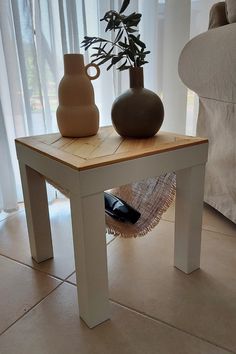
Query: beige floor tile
[20, 288]
[110, 238]
[142, 276]
[169, 215]
[212, 220]
[4, 215]
[14, 241]
[53, 327]
[215, 221]
[72, 279]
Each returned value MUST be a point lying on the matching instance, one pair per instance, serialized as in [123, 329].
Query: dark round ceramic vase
[138, 112]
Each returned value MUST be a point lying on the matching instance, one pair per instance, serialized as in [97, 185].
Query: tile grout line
[162, 219]
[125, 307]
[38, 302]
[11, 216]
[42, 271]
[204, 228]
[114, 238]
[65, 280]
[26, 312]
[31, 267]
[220, 233]
[143, 314]
[62, 281]
[68, 276]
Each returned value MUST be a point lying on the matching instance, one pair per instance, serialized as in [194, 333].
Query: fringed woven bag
[151, 197]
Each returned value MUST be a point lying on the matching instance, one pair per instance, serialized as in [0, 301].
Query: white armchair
[207, 66]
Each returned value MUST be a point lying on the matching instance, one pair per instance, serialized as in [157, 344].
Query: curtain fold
[34, 35]
[12, 113]
[8, 196]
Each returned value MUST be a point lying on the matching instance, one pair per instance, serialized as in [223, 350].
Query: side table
[85, 168]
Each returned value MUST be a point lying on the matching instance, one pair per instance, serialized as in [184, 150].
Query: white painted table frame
[85, 189]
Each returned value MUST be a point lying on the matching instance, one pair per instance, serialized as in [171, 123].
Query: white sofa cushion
[231, 10]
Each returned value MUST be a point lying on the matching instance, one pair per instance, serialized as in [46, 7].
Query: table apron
[102, 178]
[98, 179]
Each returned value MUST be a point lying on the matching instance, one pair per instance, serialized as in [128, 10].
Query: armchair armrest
[207, 64]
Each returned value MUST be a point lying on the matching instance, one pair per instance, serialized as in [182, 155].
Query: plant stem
[127, 35]
[118, 46]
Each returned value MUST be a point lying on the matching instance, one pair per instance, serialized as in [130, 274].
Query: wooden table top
[104, 148]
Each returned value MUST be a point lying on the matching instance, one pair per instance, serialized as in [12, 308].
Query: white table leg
[36, 209]
[188, 218]
[88, 224]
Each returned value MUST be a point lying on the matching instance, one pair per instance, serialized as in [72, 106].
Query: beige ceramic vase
[77, 114]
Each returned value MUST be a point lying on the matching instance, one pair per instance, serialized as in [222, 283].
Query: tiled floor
[154, 307]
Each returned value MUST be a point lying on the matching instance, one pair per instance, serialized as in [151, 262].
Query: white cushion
[231, 10]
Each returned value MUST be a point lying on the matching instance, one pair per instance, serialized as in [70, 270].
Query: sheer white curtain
[34, 34]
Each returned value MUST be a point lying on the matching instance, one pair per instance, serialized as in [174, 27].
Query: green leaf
[137, 41]
[130, 55]
[120, 67]
[103, 56]
[132, 46]
[86, 47]
[100, 49]
[143, 62]
[117, 21]
[109, 66]
[124, 45]
[98, 58]
[133, 19]
[108, 16]
[131, 30]
[115, 60]
[104, 60]
[109, 52]
[95, 55]
[119, 35]
[97, 48]
[125, 67]
[86, 38]
[124, 6]
[113, 20]
[110, 26]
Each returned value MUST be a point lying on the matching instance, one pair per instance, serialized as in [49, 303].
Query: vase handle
[97, 69]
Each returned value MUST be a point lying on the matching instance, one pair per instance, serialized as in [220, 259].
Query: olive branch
[127, 48]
